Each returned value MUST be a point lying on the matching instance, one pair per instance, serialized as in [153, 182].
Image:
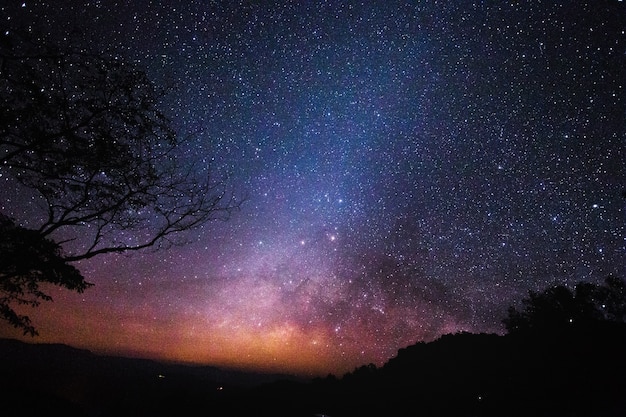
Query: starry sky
[412, 168]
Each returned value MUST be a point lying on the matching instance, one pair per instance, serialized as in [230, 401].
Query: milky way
[411, 169]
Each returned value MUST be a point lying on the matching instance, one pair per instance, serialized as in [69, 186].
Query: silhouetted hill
[56, 379]
[576, 371]
[570, 371]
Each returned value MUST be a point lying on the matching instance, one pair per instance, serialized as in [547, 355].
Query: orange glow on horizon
[280, 348]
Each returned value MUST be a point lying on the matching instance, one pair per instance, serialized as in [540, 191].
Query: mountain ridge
[576, 370]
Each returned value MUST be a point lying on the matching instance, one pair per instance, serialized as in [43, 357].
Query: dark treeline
[574, 372]
[564, 355]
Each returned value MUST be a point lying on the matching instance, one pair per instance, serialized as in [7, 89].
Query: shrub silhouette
[558, 307]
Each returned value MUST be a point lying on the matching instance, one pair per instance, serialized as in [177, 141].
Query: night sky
[411, 169]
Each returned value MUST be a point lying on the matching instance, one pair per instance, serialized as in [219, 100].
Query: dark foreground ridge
[575, 371]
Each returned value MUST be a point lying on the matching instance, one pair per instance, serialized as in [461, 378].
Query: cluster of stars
[411, 170]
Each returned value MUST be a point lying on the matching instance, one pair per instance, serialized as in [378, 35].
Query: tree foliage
[84, 133]
[558, 306]
[26, 260]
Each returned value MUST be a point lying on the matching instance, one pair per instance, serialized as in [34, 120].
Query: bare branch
[84, 131]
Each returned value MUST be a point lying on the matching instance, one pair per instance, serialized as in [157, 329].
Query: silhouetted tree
[26, 260]
[362, 373]
[612, 299]
[83, 134]
[558, 306]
